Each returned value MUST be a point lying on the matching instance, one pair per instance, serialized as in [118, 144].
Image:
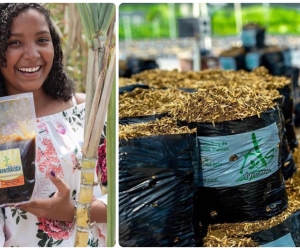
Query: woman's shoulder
[80, 98]
[75, 107]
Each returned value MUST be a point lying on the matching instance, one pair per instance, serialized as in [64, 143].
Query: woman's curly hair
[57, 84]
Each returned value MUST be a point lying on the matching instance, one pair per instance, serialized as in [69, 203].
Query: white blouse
[59, 139]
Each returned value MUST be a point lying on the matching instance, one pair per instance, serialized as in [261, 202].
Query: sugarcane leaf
[94, 16]
[109, 14]
[102, 14]
[86, 20]
[99, 7]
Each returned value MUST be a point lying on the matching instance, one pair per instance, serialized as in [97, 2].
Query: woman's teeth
[30, 70]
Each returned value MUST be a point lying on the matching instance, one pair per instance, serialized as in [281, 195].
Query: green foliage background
[151, 11]
[279, 20]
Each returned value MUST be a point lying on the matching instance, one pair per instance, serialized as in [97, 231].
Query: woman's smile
[29, 72]
[29, 53]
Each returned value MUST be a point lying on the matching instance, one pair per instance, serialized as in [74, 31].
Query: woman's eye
[14, 43]
[43, 40]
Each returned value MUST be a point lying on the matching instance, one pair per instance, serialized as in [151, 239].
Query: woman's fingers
[58, 207]
[62, 188]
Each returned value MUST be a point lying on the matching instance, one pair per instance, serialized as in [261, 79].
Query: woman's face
[29, 53]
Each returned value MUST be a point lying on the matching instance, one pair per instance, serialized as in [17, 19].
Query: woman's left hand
[59, 207]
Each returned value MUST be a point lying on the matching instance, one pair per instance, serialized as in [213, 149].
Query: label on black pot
[238, 159]
[287, 57]
[227, 63]
[248, 38]
[252, 60]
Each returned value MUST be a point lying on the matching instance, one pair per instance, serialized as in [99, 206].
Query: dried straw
[158, 127]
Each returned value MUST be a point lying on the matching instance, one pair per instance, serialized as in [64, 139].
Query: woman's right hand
[59, 207]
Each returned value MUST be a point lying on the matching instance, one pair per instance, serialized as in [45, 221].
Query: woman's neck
[46, 105]
[42, 103]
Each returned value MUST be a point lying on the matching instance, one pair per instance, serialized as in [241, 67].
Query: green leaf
[40, 235]
[86, 20]
[99, 7]
[102, 14]
[24, 216]
[58, 242]
[42, 243]
[18, 220]
[94, 14]
[74, 194]
[14, 212]
[50, 243]
[109, 14]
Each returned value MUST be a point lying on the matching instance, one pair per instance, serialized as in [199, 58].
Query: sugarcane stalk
[84, 202]
[93, 56]
[97, 94]
[102, 110]
[95, 102]
[90, 85]
[111, 135]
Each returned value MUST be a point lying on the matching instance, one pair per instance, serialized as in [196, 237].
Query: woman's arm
[80, 97]
[98, 212]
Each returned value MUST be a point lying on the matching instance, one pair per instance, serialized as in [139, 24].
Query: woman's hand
[59, 207]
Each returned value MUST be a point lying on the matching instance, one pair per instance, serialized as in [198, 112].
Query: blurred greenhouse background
[156, 34]
[159, 20]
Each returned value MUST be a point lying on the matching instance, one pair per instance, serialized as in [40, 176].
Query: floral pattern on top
[54, 228]
[46, 156]
[101, 168]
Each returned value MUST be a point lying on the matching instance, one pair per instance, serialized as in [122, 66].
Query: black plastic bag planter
[156, 191]
[239, 176]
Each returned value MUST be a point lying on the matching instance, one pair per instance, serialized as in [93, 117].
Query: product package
[17, 148]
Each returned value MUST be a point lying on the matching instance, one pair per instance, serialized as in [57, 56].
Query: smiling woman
[31, 61]
[29, 55]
